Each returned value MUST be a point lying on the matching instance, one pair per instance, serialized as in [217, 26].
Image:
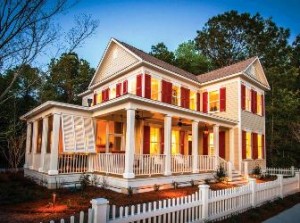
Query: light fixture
[205, 130]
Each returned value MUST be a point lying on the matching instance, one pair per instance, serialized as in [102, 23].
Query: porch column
[44, 143]
[130, 144]
[28, 144]
[53, 166]
[216, 144]
[231, 145]
[195, 146]
[34, 140]
[167, 143]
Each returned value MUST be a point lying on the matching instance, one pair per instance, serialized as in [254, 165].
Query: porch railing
[181, 163]
[206, 163]
[149, 164]
[109, 163]
[72, 163]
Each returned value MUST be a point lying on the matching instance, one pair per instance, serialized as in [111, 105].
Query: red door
[205, 144]
[146, 149]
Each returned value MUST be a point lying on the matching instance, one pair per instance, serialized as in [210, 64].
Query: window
[39, 136]
[101, 136]
[248, 145]
[154, 141]
[112, 92]
[248, 99]
[175, 142]
[99, 97]
[132, 85]
[193, 100]
[31, 133]
[259, 104]
[115, 136]
[211, 149]
[259, 147]
[175, 95]
[154, 88]
[50, 133]
[214, 103]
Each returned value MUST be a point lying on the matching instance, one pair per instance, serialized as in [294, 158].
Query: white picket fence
[204, 205]
[284, 171]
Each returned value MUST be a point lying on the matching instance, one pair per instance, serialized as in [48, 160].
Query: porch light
[205, 130]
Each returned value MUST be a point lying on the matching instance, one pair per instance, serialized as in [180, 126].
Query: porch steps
[237, 179]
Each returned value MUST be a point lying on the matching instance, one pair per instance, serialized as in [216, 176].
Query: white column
[231, 145]
[53, 166]
[130, 144]
[216, 144]
[99, 207]
[34, 140]
[253, 191]
[44, 143]
[167, 143]
[195, 128]
[28, 144]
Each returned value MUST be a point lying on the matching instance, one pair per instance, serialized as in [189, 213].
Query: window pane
[259, 109]
[248, 146]
[175, 142]
[39, 136]
[132, 85]
[248, 99]
[101, 136]
[154, 140]
[50, 133]
[154, 88]
[193, 100]
[175, 95]
[211, 144]
[214, 101]
[259, 146]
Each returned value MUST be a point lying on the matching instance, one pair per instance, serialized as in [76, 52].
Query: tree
[68, 76]
[190, 59]
[231, 37]
[27, 29]
[161, 52]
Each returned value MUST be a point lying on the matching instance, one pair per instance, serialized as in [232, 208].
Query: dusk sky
[145, 23]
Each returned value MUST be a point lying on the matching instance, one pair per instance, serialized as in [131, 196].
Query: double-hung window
[214, 101]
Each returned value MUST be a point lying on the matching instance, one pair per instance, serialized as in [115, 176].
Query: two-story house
[144, 122]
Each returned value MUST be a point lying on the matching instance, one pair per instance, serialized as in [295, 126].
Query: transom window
[248, 145]
[214, 101]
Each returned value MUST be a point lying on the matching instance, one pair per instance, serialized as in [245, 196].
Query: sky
[145, 23]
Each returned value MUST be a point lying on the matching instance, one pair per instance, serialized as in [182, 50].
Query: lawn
[22, 200]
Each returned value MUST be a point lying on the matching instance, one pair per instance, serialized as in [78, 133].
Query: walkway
[291, 215]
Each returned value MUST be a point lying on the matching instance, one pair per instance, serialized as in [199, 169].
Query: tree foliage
[162, 52]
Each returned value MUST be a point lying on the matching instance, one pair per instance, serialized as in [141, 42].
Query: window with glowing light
[175, 95]
[214, 101]
[211, 147]
[259, 147]
[99, 97]
[112, 92]
[155, 85]
[101, 136]
[175, 142]
[248, 99]
[248, 145]
[259, 107]
[132, 85]
[193, 98]
[154, 141]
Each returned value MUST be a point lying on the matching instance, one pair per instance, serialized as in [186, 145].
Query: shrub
[156, 187]
[256, 170]
[207, 181]
[175, 185]
[84, 182]
[192, 183]
[104, 183]
[129, 191]
[220, 174]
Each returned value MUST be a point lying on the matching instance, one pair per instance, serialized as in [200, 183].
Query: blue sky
[145, 23]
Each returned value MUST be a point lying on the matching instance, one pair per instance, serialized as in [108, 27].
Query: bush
[220, 174]
[175, 185]
[156, 187]
[256, 170]
[84, 182]
[130, 191]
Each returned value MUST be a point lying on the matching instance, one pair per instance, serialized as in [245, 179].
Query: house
[143, 122]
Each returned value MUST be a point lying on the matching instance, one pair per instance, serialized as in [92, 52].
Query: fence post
[203, 189]
[229, 170]
[252, 183]
[293, 170]
[297, 174]
[280, 179]
[246, 170]
[99, 207]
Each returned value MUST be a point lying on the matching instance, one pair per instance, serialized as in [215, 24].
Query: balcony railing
[149, 164]
[72, 163]
[181, 163]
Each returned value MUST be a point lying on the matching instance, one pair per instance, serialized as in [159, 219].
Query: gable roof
[153, 60]
[226, 71]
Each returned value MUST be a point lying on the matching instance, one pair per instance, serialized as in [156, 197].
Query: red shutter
[169, 92]
[253, 101]
[163, 91]
[139, 85]
[222, 144]
[103, 95]
[125, 87]
[254, 146]
[187, 98]
[243, 97]
[243, 145]
[205, 144]
[263, 146]
[182, 97]
[118, 90]
[95, 98]
[204, 104]
[223, 99]
[107, 94]
[146, 145]
[162, 141]
[198, 101]
[147, 86]
[182, 137]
